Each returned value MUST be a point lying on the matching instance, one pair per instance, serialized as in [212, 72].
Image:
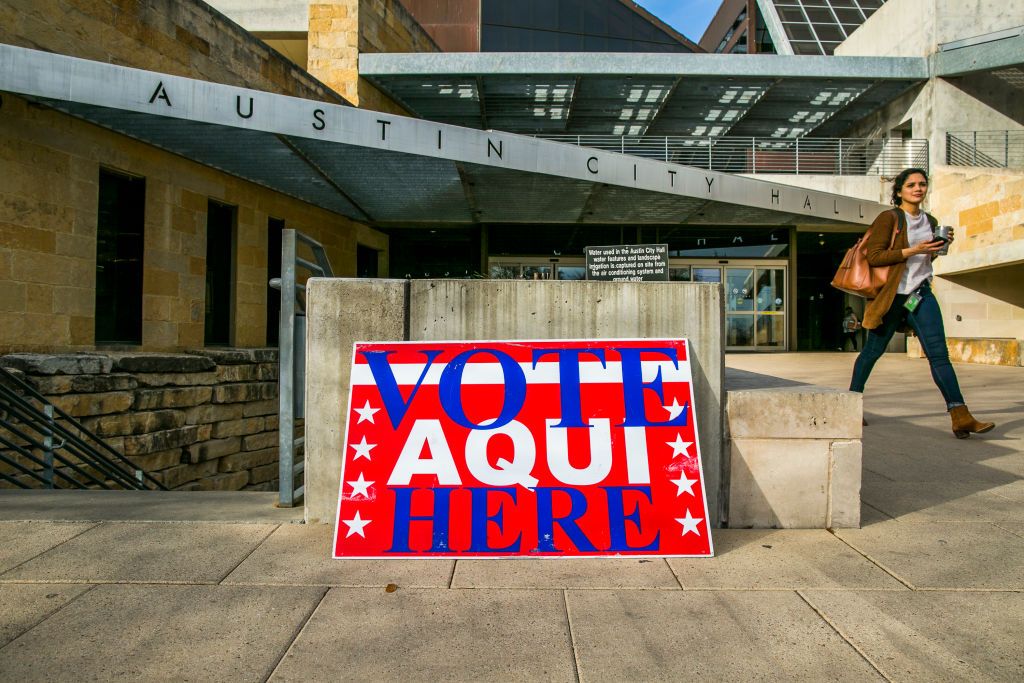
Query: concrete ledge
[794, 457]
[983, 350]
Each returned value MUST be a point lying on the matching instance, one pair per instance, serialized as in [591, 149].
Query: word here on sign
[522, 449]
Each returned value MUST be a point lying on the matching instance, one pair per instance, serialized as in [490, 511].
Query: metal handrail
[985, 148]
[291, 377]
[806, 155]
[58, 445]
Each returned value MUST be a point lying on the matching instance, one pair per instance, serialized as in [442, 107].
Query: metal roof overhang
[1000, 53]
[390, 170]
[644, 94]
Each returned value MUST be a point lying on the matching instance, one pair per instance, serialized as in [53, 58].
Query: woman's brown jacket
[879, 254]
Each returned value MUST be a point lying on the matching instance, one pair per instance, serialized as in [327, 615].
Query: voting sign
[522, 449]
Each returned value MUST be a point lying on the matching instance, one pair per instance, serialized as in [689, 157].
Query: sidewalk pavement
[932, 587]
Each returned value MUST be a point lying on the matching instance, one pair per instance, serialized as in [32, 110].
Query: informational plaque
[522, 449]
[628, 262]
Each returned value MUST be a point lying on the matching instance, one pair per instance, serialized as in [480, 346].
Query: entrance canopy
[390, 170]
[644, 94]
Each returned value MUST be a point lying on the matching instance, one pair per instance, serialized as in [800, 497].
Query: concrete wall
[48, 217]
[794, 457]
[341, 312]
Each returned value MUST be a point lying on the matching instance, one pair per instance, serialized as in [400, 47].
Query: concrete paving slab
[932, 636]
[1015, 529]
[565, 573]
[146, 552]
[22, 606]
[870, 515]
[707, 635]
[941, 501]
[787, 559]
[300, 555]
[147, 506]
[422, 635]
[163, 633]
[944, 555]
[24, 540]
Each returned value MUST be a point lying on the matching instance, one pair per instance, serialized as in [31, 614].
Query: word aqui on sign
[522, 449]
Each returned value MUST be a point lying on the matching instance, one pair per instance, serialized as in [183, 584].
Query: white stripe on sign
[591, 372]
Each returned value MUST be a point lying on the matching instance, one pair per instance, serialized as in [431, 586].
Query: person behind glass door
[907, 299]
[851, 329]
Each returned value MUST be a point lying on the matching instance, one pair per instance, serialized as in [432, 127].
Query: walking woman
[907, 299]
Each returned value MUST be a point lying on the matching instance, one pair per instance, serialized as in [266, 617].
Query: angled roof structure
[662, 94]
[813, 27]
[390, 170]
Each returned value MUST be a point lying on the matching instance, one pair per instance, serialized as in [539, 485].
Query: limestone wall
[193, 422]
[50, 163]
[181, 37]
[340, 30]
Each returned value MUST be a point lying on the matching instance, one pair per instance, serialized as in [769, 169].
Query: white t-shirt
[919, 266]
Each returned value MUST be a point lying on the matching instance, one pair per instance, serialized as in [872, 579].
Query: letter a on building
[522, 449]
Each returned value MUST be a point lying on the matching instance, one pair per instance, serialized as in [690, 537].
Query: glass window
[220, 262]
[739, 289]
[536, 273]
[707, 274]
[770, 294]
[274, 228]
[120, 234]
[572, 272]
[679, 273]
[771, 331]
[739, 330]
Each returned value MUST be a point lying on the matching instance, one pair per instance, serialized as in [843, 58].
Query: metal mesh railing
[41, 446]
[991, 148]
[825, 156]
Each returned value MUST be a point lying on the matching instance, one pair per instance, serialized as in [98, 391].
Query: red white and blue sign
[522, 449]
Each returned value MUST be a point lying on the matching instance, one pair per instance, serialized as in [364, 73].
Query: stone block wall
[339, 31]
[201, 421]
[794, 458]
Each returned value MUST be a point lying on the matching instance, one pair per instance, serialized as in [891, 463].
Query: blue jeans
[926, 321]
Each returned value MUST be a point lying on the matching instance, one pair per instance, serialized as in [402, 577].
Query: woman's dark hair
[898, 181]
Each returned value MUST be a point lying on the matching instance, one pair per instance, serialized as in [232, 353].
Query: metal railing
[292, 341]
[991, 148]
[41, 446]
[825, 156]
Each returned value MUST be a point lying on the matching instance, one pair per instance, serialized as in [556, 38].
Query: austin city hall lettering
[540, 448]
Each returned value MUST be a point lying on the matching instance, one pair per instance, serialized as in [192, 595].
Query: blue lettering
[404, 519]
[451, 386]
[480, 518]
[546, 520]
[569, 381]
[633, 387]
[380, 368]
[617, 518]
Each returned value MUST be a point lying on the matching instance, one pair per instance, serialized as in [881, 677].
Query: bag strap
[901, 224]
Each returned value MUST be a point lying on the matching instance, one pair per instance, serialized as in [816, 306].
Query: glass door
[755, 300]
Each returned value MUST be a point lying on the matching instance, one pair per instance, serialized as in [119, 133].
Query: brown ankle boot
[964, 423]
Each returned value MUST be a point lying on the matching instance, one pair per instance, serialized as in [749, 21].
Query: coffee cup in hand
[943, 233]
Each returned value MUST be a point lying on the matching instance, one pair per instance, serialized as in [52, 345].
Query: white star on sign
[355, 525]
[366, 413]
[679, 447]
[363, 449]
[689, 523]
[674, 410]
[684, 484]
[360, 485]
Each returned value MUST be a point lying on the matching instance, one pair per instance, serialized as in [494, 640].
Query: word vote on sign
[522, 449]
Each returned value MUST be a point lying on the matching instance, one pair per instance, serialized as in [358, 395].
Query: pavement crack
[451, 577]
[572, 637]
[872, 560]
[248, 554]
[298, 632]
[43, 552]
[842, 635]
